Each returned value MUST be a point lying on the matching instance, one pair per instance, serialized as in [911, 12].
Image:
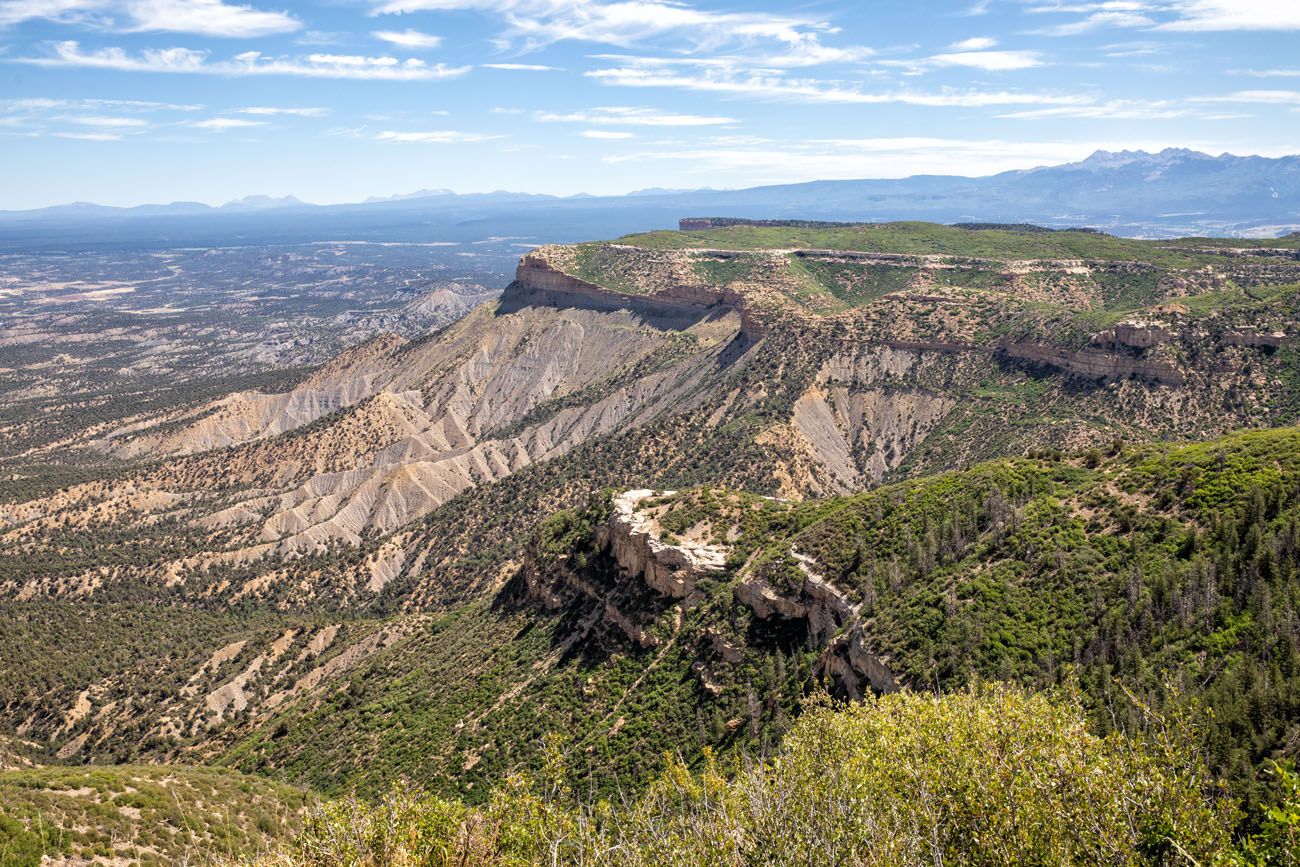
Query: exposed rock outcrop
[542, 281]
[634, 540]
[832, 620]
[1095, 364]
[853, 668]
[1135, 335]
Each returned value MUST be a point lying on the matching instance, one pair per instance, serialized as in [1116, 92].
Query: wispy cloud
[1259, 97]
[654, 72]
[1272, 73]
[622, 115]
[1170, 15]
[107, 122]
[272, 111]
[442, 136]
[786, 40]
[975, 43]
[977, 52]
[223, 124]
[89, 136]
[109, 119]
[522, 67]
[130, 105]
[1122, 109]
[1096, 20]
[200, 17]
[1209, 15]
[607, 134]
[989, 61]
[186, 60]
[1137, 48]
[408, 38]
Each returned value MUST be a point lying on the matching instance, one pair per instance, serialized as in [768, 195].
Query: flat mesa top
[827, 269]
[975, 241]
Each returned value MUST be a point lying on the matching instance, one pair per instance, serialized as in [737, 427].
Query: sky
[129, 101]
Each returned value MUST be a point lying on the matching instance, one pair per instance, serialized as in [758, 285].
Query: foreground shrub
[991, 776]
[1277, 843]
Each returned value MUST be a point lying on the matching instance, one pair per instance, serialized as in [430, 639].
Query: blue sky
[128, 101]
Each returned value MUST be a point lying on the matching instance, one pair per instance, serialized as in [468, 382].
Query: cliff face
[1095, 364]
[539, 281]
[652, 580]
[638, 547]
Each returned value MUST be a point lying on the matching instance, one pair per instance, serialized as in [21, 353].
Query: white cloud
[1140, 48]
[408, 38]
[989, 61]
[606, 134]
[1273, 73]
[186, 60]
[89, 136]
[1121, 109]
[322, 38]
[622, 115]
[130, 105]
[207, 18]
[1260, 97]
[108, 122]
[17, 11]
[1096, 21]
[272, 111]
[222, 124]
[975, 43]
[444, 136]
[1173, 15]
[1204, 15]
[522, 67]
[201, 17]
[644, 72]
[789, 40]
[110, 119]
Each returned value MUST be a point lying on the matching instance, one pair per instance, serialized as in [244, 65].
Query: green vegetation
[141, 815]
[932, 238]
[1166, 570]
[857, 284]
[1150, 563]
[137, 656]
[989, 776]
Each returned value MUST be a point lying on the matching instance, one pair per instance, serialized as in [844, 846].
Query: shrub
[994, 775]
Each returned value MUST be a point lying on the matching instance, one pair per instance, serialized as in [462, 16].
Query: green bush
[991, 776]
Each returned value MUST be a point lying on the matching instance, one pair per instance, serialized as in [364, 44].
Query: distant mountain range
[1133, 193]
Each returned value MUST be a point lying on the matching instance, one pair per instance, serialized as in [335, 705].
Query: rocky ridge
[643, 557]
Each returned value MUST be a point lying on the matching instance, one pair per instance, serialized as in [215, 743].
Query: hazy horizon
[379, 197]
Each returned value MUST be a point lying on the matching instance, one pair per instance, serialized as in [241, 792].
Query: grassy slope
[141, 814]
